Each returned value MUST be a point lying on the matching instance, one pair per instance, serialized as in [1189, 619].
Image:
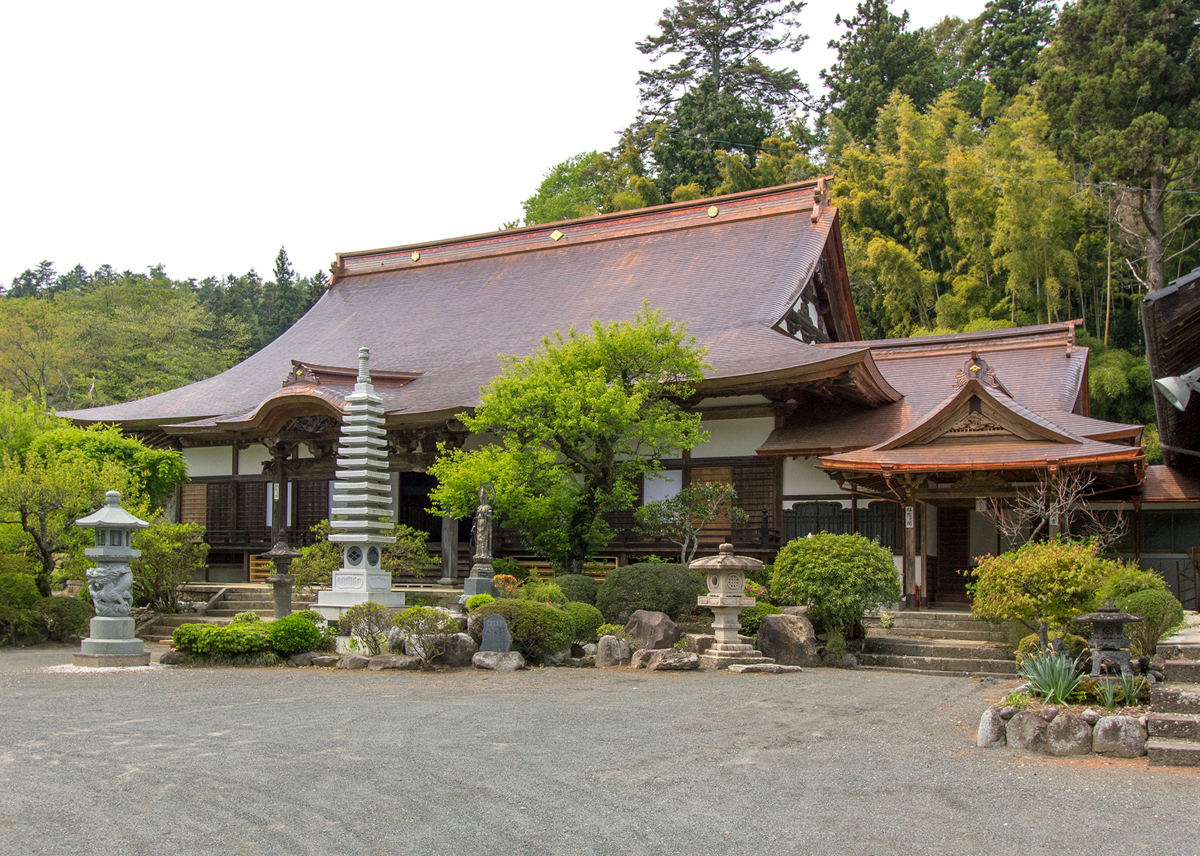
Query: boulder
[763, 668]
[1026, 730]
[670, 660]
[326, 661]
[557, 658]
[584, 662]
[788, 640]
[794, 610]
[1006, 713]
[698, 643]
[1090, 716]
[612, 651]
[304, 658]
[403, 662]
[652, 629]
[589, 650]
[849, 661]
[498, 661]
[1068, 735]
[460, 649]
[1048, 713]
[991, 729]
[1122, 736]
[354, 661]
[641, 657]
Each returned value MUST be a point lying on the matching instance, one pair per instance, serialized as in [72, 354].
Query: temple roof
[437, 315]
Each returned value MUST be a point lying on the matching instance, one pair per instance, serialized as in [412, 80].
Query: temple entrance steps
[257, 599]
[1173, 725]
[222, 603]
[943, 642]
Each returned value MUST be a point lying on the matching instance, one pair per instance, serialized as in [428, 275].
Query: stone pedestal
[281, 591]
[112, 643]
[474, 585]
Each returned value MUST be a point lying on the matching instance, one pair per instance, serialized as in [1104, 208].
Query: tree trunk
[1156, 272]
[1043, 637]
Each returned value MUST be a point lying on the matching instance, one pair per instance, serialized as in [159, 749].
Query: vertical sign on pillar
[910, 554]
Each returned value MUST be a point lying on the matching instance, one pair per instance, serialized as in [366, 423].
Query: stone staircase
[937, 641]
[1174, 724]
[232, 600]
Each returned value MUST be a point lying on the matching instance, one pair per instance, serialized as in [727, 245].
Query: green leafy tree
[153, 473]
[680, 518]
[171, 555]
[576, 424]
[1119, 82]
[573, 188]
[427, 632]
[1039, 584]
[1013, 33]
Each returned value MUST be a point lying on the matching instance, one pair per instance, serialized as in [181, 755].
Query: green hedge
[656, 586]
[578, 588]
[537, 630]
[587, 620]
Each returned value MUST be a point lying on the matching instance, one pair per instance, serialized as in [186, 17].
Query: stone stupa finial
[364, 373]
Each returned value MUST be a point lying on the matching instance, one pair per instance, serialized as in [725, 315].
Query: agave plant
[1052, 675]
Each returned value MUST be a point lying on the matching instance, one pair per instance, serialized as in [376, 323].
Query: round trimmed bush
[542, 592]
[751, 617]
[587, 620]
[537, 630]
[839, 578]
[293, 633]
[658, 587]
[477, 600]
[578, 588]
[246, 618]
[64, 616]
[1127, 580]
[1162, 614]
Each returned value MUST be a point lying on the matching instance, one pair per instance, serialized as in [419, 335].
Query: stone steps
[940, 673]
[955, 648]
[976, 635]
[1164, 752]
[1182, 671]
[1174, 724]
[965, 665]
[1179, 698]
[937, 642]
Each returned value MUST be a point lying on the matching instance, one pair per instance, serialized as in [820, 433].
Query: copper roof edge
[798, 197]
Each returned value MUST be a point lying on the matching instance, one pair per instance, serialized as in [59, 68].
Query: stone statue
[111, 587]
[481, 531]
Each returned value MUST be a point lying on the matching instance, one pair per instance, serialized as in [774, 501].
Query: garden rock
[612, 651]
[794, 610]
[849, 661]
[991, 730]
[788, 640]
[460, 649]
[589, 650]
[1068, 735]
[354, 661]
[1090, 716]
[498, 661]
[763, 668]
[326, 661]
[304, 658]
[652, 629]
[670, 660]
[557, 658]
[1122, 736]
[1048, 713]
[584, 662]
[1026, 730]
[170, 658]
[640, 658]
[698, 643]
[387, 662]
[1007, 713]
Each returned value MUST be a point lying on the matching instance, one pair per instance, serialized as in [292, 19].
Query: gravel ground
[550, 761]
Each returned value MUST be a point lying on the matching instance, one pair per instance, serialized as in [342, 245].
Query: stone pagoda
[362, 504]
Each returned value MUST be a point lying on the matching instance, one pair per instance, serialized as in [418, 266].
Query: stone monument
[480, 580]
[496, 636]
[281, 556]
[362, 504]
[112, 641]
[725, 574]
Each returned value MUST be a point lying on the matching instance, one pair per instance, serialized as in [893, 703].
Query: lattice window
[312, 503]
[193, 504]
[219, 510]
[252, 510]
[755, 485]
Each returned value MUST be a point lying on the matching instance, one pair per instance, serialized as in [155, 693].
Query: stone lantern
[112, 641]
[281, 556]
[1108, 636]
[725, 574]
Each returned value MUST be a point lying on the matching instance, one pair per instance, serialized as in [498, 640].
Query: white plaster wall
[209, 461]
[803, 477]
[732, 438]
[662, 485]
[251, 460]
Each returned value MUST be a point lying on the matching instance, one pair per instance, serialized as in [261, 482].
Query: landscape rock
[763, 668]
[991, 730]
[1026, 730]
[589, 650]
[641, 657]
[849, 661]
[1048, 713]
[1006, 713]
[460, 648]
[653, 629]
[794, 610]
[1068, 735]
[354, 661]
[788, 640]
[584, 662]
[403, 662]
[670, 660]
[172, 658]
[612, 651]
[557, 658]
[1122, 736]
[1090, 716]
[326, 661]
[304, 658]
[498, 661]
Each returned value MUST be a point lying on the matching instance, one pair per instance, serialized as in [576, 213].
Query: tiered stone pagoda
[362, 504]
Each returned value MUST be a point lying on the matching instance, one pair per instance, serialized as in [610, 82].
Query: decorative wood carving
[976, 368]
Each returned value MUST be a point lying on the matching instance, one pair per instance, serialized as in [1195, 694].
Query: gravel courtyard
[550, 761]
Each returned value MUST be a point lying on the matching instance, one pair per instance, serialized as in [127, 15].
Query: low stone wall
[1052, 732]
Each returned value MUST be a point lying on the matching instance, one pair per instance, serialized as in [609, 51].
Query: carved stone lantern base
[112, 643]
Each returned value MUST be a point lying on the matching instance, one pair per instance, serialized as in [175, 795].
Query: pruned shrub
[660, 587]
[293, 633]
[512, 568]
[427, 632]
[1162, 614]
[367, 625]
[587, 620]
[64, 617]
[19, 598]
[1125, 580]
[578, 588]
[751, 617]
[537, 630]
[839, 578]
[230, 641]
[505, 585]
[477, 600]
[171, 555]
[542, 592]
[246, 618]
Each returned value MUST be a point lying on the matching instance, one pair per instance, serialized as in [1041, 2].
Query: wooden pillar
[910, 549]
[853, 508]
[449, 551]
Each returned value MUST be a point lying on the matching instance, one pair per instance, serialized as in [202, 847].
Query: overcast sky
[205, 136]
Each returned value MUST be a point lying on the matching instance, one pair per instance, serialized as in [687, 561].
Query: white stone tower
[362, 504]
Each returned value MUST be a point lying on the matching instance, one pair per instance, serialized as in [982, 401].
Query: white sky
[206, 136]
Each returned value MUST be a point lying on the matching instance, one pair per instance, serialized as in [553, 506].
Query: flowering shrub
[505, 585]
[755, 591]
